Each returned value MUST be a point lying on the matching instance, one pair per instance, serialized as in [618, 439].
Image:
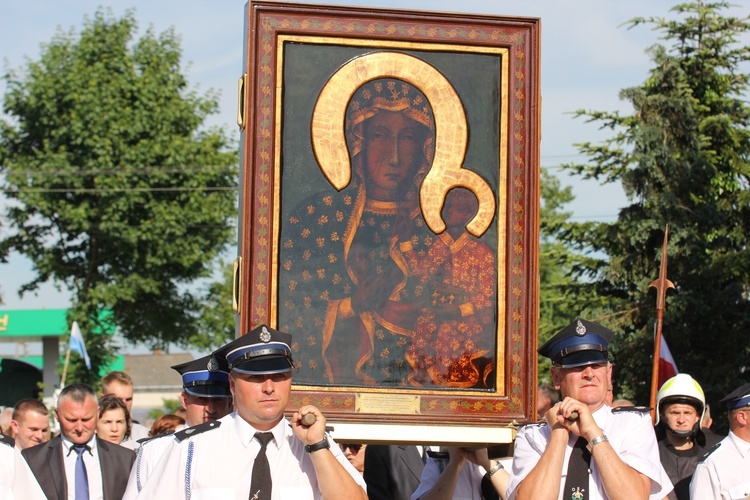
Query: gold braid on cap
[387, 94]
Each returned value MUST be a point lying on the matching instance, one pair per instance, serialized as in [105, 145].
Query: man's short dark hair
[29, 404]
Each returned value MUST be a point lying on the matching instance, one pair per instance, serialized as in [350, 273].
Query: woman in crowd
[355, 453]
[114, 419]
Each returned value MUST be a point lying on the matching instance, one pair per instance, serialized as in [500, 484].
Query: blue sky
[587, 58]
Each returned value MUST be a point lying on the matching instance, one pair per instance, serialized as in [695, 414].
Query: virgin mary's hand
[372, 293]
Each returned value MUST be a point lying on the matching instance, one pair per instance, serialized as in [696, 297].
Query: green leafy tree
[118, 191]
[682, 159]
[217, 319]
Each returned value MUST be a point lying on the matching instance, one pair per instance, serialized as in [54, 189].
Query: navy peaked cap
[205, 377]
[580, 343]
[738, 398]
[260, 351]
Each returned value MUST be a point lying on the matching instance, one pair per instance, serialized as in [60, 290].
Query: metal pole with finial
[662, 284]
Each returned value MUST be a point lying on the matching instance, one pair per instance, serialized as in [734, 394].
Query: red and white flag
[667, 366]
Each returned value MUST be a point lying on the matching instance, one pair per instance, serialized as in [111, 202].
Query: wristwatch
[498, 465]
[320, 445]
[595, 441]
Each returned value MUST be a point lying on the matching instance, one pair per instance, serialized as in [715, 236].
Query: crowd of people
[233, 440]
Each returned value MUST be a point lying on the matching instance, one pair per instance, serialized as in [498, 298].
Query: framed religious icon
[389, 213]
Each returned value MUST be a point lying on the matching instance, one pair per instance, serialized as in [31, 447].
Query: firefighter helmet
[683, 389]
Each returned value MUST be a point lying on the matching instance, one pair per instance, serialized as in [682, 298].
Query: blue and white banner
[78, 345]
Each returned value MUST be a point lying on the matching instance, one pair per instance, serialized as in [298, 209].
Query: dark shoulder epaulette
[7, 440]
[198, 429]
[438, 455]
[639, 409]
[710, 450]
[151, 438]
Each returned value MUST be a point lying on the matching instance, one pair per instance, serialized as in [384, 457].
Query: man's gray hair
[77, 393]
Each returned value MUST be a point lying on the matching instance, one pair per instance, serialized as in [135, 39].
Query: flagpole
[65, 367]
[661, 284]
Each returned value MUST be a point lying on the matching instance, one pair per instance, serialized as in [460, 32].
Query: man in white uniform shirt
[724, 471]
[205, 397]
[223, 459]
[16, 479]
[584, 449]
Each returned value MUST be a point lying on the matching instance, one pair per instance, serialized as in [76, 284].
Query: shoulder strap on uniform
[710, 450]
[639, 409]
[7, 440]
[198, 429]
[151, 438]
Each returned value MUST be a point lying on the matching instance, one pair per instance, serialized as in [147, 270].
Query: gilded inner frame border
[500, 194]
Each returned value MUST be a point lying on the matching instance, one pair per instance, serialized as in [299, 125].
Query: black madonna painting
[388, 243]
[389, 213]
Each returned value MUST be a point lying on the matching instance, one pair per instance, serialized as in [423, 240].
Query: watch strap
[320, 445]
[498, 465]
[595, 441]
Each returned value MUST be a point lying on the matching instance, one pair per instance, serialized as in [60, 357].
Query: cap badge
[580, 329]
[213, 365]
[265, 335]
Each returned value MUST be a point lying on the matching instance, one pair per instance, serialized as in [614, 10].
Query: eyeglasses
[354, 448]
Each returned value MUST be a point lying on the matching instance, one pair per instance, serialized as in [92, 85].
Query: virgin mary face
[392, 154]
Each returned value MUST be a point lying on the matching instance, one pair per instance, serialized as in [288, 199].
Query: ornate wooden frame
[273, 29]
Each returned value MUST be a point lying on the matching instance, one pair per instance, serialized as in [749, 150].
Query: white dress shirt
[725, 473]
[218, 463]
[93, 469]
[631, 435]
[148, 455]
[17, 482]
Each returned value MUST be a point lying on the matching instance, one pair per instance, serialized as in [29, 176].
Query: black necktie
[577, 480]
[260, 486]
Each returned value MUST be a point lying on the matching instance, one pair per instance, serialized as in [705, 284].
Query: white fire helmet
[681, 388]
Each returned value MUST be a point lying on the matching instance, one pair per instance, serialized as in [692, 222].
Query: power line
[230, 222]
[173, 169]
[166, 169]
[117, 190]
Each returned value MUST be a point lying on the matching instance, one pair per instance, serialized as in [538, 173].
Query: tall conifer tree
[683, 159]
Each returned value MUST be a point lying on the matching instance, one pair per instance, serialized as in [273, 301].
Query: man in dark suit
[77, 459]
[392, 472]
